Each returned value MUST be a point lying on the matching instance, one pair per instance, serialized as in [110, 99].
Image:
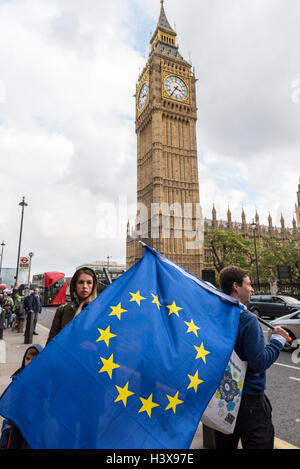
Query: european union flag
[135, 369]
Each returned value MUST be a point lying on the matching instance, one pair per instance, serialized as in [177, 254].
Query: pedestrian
[83, 290]
[254, 421]
[2, 326]
[33, 305]
[11, 437]
[7, 305]
[19, 311]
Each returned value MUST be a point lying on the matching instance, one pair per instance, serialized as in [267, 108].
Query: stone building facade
[167, 167]
[245, 229]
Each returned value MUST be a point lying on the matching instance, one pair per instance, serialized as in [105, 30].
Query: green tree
[276, 253]
[229, 248]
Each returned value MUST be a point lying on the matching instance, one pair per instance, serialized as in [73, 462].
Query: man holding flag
[135, 369]
[254, 422]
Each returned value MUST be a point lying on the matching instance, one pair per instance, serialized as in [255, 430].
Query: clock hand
[176, 88]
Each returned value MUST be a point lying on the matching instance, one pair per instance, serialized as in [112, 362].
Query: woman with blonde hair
[83, 290]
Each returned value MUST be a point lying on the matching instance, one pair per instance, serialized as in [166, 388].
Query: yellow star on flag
[194, 381]
[108, 365]
[173, 402]
[201, 352]
[148, 405]
[105, 335]
[192, 327]
[137, 297]
[117, 311]
[173, 309]
[156, 301]
[124, 393]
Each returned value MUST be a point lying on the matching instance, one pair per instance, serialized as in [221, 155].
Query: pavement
[12, 349]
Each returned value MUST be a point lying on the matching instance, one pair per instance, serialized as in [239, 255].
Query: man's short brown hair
[229, 275]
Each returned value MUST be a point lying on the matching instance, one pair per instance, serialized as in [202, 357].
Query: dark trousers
[20, 324]
[35, 318]
[253, 426]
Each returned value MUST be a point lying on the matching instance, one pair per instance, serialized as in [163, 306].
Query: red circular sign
[30, 254]
[24, 260]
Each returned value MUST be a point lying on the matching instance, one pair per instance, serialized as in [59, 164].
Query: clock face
[176, 88]
[143, 96]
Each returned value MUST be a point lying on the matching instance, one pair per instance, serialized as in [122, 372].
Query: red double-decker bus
[52, 288]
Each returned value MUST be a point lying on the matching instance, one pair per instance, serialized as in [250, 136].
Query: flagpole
[269, 325]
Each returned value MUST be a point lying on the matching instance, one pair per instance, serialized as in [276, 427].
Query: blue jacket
[250, 346]
[34, 303]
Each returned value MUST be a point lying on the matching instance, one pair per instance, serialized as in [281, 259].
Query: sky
[68, 71]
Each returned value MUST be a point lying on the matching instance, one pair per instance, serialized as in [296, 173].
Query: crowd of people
[254, 425]
[14, 309]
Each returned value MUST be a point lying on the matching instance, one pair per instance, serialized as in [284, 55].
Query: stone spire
[164, 39]
[282, 223]
[229, 220]
[163, 22]
[243, 219]
[214, 217]
[270, 223]
[128, 228]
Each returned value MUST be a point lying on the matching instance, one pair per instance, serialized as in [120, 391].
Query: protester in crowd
[83, 290]
[7, 305]
[33, 304]
[19, 311]
[11, 437]
[254, 421]
[1, 320]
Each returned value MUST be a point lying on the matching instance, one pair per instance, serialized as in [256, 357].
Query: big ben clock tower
[168, 217]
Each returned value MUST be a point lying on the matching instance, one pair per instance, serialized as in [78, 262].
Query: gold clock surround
[144, 79]
[165, 95]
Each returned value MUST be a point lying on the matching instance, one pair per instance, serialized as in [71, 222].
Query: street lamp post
[253, 226]
[29, 270]
[29, 323]
[22, 204]
[2, 244]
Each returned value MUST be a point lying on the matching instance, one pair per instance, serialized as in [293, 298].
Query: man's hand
[278, 330]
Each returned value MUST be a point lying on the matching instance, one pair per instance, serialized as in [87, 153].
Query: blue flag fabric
[135, 369]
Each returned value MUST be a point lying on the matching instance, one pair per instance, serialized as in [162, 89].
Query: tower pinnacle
[162, 21]
[164, 39]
